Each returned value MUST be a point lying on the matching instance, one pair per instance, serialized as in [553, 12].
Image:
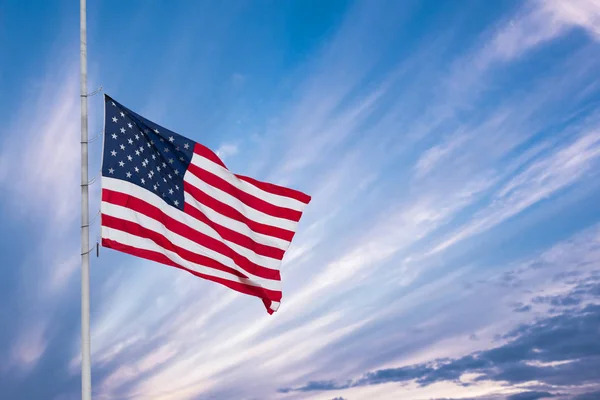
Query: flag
[171, 200]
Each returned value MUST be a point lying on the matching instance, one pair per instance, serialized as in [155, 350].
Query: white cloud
[42, 148]
[537, 182]
[227, 150]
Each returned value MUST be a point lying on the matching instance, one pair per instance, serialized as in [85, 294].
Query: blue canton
[139, 151]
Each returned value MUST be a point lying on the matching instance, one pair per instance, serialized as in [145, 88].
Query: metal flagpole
[86, 374]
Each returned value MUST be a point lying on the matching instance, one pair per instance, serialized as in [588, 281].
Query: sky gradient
[451, 249]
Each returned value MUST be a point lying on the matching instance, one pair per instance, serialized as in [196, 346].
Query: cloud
[227, 150]
[549, 349]
[563, 337]
[530, 396]
[42, 148]
[537, 182]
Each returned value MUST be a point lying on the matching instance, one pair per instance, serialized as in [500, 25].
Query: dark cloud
[522, 308]
[530, 396]
[568, 340]
[588, 396]
[558, 301]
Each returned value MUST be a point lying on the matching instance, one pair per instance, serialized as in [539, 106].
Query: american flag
[171, 200]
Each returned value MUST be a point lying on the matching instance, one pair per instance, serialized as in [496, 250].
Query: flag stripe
[198, 198]
[245, 238]
[205, 152]
[135, 210]
[278, 190]
[155, 243]
[268, 295]
[189, 218]
[112, 222]
[275, 199]
[247, 211]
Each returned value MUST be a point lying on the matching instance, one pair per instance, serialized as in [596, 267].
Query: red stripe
[265, 294]
[208, 153]
[267, 187]
[134, 229]
[234, 236]
[224, 232]
[228, 211]
[246, 198]
[278, 190]
[186, 231]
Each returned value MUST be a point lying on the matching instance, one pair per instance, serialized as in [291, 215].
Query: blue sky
[452, 246]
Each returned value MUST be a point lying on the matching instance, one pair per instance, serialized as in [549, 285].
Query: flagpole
[86, 375]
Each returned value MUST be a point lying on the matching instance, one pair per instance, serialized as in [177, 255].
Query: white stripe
[248, 212]
[225, 174]
[201, 227]
[147, 244]
[274, 305]
[130, 215]
[121, 186]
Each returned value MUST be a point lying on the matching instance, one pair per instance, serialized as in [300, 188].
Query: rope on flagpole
[95, 137]
[93, 93]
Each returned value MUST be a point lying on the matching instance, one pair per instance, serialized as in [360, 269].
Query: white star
[151, 142]
[166, 149]
[115, 119]
[143, 163]
[122, 130]
[171, 191]
[161, 139]
[153, 157]
[158, 169]
[186, 146]
[171, 139]
[156, 130]
[155, 187]
[171, 161]
[176, 172]
[165, 179]
[176, 187]
[129, 158]
[176, 202]
[128, 174]
[163, 195]
[113, 103]
[142, 149]
[137, 169]
[113, 153]
[122, 114]
[149, 176]
[170, 177]
[121, 164]
[137, 152]
[122, 147]
[129, 125]
[111, 171]
[130, 141]
[164, 165]
[114, 135]
[182, 159]
[137, 137]
[143, 181]
[146, 160]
